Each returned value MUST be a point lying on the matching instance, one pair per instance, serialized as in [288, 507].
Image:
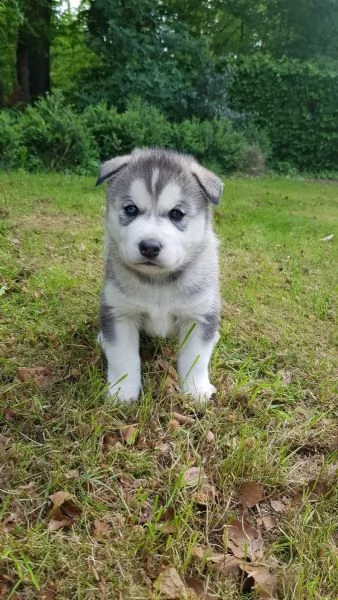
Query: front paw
[201, 391]
[124, 391]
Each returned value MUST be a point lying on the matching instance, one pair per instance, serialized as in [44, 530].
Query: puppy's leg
[119, 338]
[197, 341]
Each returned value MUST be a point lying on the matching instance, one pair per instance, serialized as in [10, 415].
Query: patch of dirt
[50, 220]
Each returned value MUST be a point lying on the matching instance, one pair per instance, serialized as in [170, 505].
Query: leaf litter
[64, 511]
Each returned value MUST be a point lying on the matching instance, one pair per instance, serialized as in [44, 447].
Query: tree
[10, 19]
[33, 49]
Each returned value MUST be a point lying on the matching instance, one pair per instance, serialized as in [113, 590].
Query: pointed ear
[210, 184]
[111, 167]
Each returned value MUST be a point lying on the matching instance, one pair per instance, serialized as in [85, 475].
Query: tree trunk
[33, 50]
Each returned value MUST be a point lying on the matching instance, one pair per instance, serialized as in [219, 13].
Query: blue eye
[131, 210]
[176, 214]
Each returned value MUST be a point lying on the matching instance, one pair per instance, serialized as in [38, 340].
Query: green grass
[272, 422]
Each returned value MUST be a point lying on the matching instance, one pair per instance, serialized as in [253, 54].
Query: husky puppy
[161, 266]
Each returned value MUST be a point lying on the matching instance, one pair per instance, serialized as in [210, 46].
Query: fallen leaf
[170, 585]
[129, 433]
[278, 506]
[260, 580]
[110, 440]
[200, 588]
[163, 447]
[5, 441]
[72, 474]
[100, 529]
[206, 495]
[225, 562]
[193, 476]
[183, 419]
[269, 522]
[166, 528]
[317, 488]
[243, 540]
[39, 375]
[327, 238]
[285, 376]
[163, 366]
[64, 511]
[210, 437]
[48, 592]
[251, 494]
[173, 424]
[9, 522]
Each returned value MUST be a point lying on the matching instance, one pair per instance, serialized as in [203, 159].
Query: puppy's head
[158, 208]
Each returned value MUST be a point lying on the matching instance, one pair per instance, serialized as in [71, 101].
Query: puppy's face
[158, 211]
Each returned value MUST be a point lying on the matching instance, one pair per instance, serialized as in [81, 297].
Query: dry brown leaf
[170, 585]
[251, 494]
[285, 376]
[5, 441]
[59, 522]
[206, 495]
[64, 511]
[278, 506]
[38, 375]
[317, 488]
[201, 588]
[173, 424]
[163, 366]
[166, 528]
[110, 440]
[210, 437]
[225, 562]
[260, 580]
[48, 592]
[163, 447]
[100, 529]
[183, 419]
[269, 522]
[193, 476]
[243, 540]
[9, 522]
[129, 433]
[72, 474]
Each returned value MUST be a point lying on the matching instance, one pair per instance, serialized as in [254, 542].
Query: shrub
[194, 137]
[12, 152]
[103, 125]
[228, 145]
[55, 137]
[296, 103]
[143, 125]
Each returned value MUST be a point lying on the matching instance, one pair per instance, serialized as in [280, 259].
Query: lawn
[159, 499]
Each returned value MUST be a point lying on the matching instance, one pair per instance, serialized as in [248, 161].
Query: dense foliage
[247, 64]
[296, 103]
[53, 135]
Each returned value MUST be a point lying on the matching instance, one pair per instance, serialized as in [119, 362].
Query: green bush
[103, 126]
[143, 125]
[12, 151]
[55, 137]
[51, 135]
[194, 137]
[295, 103]
[228, 145]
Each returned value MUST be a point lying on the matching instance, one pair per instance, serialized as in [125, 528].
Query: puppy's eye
[176, 214]
[131, 210]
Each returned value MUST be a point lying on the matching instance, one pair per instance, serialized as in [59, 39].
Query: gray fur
[209, 326]
[107, 321]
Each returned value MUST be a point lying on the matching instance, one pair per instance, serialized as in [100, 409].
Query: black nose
[150, 248]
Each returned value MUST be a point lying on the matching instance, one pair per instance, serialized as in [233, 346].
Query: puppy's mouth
[149, 263]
